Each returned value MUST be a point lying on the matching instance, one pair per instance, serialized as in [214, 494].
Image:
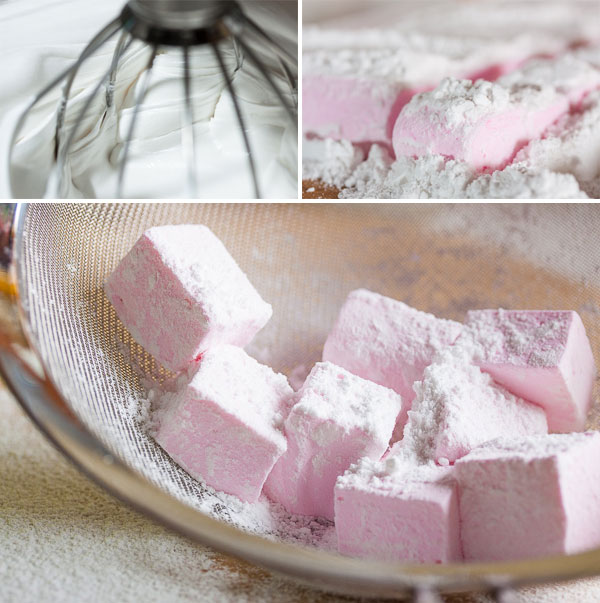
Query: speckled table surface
[64, 539]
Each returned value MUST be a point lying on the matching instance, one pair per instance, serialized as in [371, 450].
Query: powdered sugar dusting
[518, 338]
[333, 393]
[530, 447]
[457, 407]
[436, 177]
[398, 473]
[461, 101]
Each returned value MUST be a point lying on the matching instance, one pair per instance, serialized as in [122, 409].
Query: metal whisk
[169, 23]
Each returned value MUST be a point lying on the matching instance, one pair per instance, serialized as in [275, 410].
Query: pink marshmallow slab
[337, 419]
[530, 497]
[393, 511]
[386, 341]
[542, 356]
[458, 407]
[178, 292]
[477, 123]
[359, 110]
[485, 124]
[225, 426]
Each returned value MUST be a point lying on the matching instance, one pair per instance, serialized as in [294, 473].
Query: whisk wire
[110, 87]
[139, 99]
[251, 55]
[291, 81]
[240, 117]
[239, 55]
[64, 150]
[95, 44]
[187, 133]
[281, 52]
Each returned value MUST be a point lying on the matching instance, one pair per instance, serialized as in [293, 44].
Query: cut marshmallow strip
[542, 356]
[225, 426]
[347, 96]
[178, 292]
[485, 124]
[530, 497]
[337, 419]
[394, 510]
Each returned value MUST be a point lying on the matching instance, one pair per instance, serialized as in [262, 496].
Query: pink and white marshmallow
[542, 356]
[530, 497]
[458, 407]
[225, 426]
[178, 292]
[393, 510]
[337, 419]
[388, 342]
[485, 124]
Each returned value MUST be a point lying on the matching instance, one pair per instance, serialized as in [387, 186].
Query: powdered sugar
[572, 145]
[459, 102]
[518, 338]
[330, 160]
[434, 177]
[208, 272]
[423, 42]
[530, 447]
[457, 407]
[332, 393]
[397, 473]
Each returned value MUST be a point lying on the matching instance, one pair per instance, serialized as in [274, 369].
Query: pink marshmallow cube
[394, 511]
[337, 418]
[388, 342]
[542, 356]
[179, 292]
[225, 426]
[458, 407]
[530, 497]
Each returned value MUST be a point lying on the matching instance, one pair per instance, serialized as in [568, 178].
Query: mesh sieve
[304, 259]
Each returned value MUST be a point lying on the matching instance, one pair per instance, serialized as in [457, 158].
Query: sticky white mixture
[39, 38]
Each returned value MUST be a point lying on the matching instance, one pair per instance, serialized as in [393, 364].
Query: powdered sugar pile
[434, 177]
[397, 473]
[461, 101]
[457, 407]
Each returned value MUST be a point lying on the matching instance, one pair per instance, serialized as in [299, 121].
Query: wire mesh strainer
[303, 259]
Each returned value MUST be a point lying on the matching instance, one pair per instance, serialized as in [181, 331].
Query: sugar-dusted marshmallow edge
[337, 419]
[485, 124]
[393, 510]
[542, 356]
[178, 292]
[530, 497]
[225, 426]
[458, 407]
[388, 342]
